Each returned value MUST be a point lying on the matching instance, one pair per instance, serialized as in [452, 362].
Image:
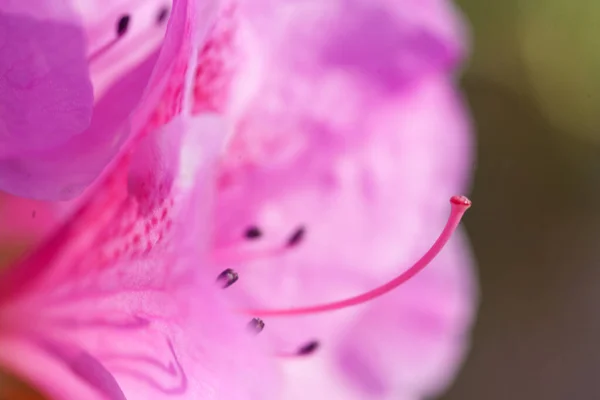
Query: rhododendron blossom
[272, 219]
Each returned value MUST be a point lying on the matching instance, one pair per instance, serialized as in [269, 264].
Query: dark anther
[122, 25]
[253, 233]
[296, 237]
[162, 15]
[227, 278]
[256, 325]
[308, 348]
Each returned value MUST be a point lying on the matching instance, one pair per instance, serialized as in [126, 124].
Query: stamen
[306, 350]
[237, 255]
[122, 25]
[162, 15]
[227, 278]
[459, 204]
[256, 325]
[252, 233]
[296, 237]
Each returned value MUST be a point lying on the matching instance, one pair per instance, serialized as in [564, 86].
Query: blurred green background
[532, 84]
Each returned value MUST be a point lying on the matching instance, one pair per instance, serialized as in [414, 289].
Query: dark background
[532, 85]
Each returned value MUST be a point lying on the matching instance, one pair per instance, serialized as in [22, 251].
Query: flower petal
[136, 89]
[45, 91]
[361, 145]
[363, 205]
[147, 315]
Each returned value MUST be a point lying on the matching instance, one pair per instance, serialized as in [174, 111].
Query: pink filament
[238, 256]
[102, 50]
[459, 204]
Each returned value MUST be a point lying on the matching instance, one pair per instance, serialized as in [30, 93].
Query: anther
[256, 325]
[122, 25]
[296, 237]
[308, 348]
[252, 233]
[162, 15]
[227, 278]
[459, 204]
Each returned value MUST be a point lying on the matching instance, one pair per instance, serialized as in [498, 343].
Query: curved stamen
[256, 325]
[227, 278]
[306, 350]
[252, 233]
[459, 204]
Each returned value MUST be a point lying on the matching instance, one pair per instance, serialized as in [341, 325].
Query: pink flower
[338, 164]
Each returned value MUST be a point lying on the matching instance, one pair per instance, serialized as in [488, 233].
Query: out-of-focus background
[533, 85]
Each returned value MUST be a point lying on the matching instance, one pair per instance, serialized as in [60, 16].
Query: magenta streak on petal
[459, 204]
[75, 323]
[86, 367]
[181, 386]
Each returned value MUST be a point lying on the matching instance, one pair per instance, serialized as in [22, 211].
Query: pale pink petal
[411, 341]
[347, 124]
[126, 296]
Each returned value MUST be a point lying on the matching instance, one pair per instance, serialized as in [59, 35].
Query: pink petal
[135, 89]
[145, 315]
[25, 219]
[412, 341]
[388, 41]
[361, 144]
[363, 205]
[45, 90]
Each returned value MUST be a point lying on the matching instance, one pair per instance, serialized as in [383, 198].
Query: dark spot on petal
[227, 278]
[308, 348]
[252, 233]
[122, 25]
[162, 15]
[296, 237]
[256, 325]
